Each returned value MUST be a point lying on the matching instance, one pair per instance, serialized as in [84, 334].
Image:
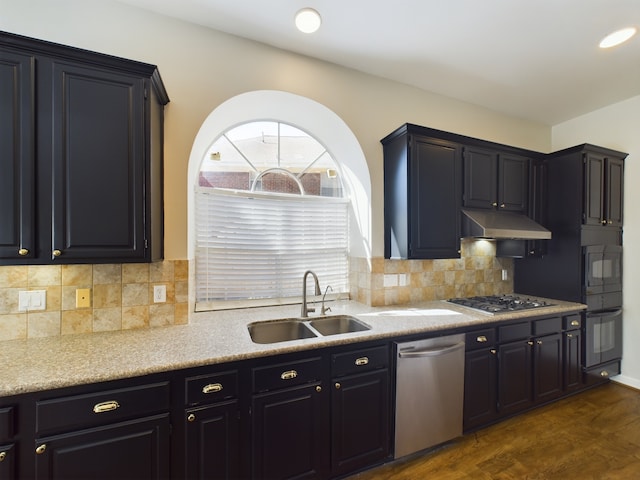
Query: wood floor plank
[594, 435]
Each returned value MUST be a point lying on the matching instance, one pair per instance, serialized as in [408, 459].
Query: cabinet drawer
[6, 424]
[572, 322]
[99, 408]
[211, 388]
[287, 374]
[547, 325]
[601, 373]
[517, 331]
[359, 361]
[480, 338]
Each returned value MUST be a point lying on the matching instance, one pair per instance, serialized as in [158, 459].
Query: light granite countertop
[211, 338]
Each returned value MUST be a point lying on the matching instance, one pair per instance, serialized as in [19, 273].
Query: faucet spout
[305, 309]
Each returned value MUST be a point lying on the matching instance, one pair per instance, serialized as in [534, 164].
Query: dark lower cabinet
[212, 442]
[290, 433]
[572, 360]
[136, 450]
[359, 421]
[514, 377]
[547, 367]
[480, 387]
[8, 462]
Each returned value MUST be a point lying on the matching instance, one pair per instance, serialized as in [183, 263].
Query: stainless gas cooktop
[493, 304]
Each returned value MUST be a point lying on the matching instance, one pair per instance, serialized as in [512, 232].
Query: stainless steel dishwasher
[429, 393]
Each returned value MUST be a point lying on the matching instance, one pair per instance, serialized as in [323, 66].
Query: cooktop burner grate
[493, 304]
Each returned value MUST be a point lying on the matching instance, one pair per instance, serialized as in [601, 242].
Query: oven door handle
[605, 313]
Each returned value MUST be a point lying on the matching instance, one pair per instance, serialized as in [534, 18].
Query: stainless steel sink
[279, 331]
[336, 324]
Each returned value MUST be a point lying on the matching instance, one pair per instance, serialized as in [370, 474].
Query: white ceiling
[534, 59]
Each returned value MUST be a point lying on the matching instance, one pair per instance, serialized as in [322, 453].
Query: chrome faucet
[305, 310]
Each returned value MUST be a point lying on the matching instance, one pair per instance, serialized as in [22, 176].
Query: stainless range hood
[501, 225]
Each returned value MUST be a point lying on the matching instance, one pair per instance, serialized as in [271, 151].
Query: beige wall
[617, 126]
[202, 68]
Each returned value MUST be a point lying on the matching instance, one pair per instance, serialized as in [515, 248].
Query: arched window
[269, 205]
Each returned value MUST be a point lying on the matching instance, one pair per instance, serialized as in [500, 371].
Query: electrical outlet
[159, 293]
[505, 274]
[83, 298]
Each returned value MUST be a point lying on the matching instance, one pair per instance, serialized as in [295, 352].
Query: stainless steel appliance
[429, 393]
[493, 304]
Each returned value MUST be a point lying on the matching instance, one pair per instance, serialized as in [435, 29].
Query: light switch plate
[30, 300]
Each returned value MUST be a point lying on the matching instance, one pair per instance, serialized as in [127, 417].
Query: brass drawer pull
[362, 361]
[569, 335]
[3, 455]
[481, 339]
[41, 449]
[575, 323]
[56, 253]
[22, 252]
[212, 388]
[105, 406]
[288, 375]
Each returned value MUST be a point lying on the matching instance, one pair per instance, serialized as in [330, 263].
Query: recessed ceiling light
[308, 20]
[616, 38]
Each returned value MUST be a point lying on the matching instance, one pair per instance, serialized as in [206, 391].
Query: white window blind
[253, 248]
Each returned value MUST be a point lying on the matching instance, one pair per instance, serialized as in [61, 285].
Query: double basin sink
[287, 329]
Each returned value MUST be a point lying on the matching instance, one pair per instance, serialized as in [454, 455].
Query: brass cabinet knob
[3, 455]
[530, 343]
[502, 205]
[604, 222]
[318, 388]
[604, 373]
[23, 251]
[493, 351]
[539, 342]
[610, 222]
[191, 418]
[56, 253]
[41, 449]
[569, 335]
[338, 386]
[494, 204]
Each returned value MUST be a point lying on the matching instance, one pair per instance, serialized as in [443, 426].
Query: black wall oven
[603, 334]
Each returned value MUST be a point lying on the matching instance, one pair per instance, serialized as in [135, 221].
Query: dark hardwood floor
[591, 435]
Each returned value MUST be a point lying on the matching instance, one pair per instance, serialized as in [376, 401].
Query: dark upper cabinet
[83, 155]
[586, 187]
[422, 195]
[495, 180]
[17, 154]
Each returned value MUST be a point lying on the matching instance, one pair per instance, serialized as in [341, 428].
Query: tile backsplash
[121, 298]
[380, 282]
[122, 295]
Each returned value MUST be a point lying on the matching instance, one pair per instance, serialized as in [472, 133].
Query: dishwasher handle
[430, 352]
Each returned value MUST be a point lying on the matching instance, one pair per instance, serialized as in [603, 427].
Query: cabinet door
[290, 433]
[514, 376]
[572, 360]
[480, 178]
[98, 164]
[614, 187]
[480, 388]
[17, 150]
[547, 367]
[8, 462]
[360, 421]
[434, 199]
[136, 449]
[594, 171]
[212, 446]
[513, 183]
